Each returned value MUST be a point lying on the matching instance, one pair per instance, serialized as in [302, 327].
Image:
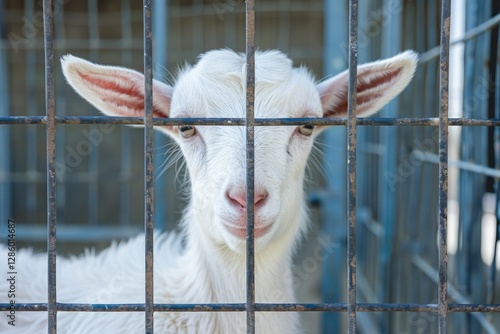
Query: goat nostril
[237, 199]
[240, 199]
[259, 199]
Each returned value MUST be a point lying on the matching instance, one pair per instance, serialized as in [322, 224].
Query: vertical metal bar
[148, 161]
[493, 158]
[443, 167]
[250, 123]
[351, 167]
[51, 163]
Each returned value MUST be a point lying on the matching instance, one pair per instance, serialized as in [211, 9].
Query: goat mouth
[241, 233]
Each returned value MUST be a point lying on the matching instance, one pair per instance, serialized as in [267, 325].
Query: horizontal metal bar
[260, 307]
[431, 121]
[67, 307]
[464, 165]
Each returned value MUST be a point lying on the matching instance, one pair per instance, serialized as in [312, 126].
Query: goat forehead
[220, 64]
[216, 87]
[230, 141]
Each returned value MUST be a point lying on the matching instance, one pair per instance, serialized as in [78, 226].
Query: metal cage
[388, 273]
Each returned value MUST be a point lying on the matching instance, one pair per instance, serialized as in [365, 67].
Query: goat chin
[206, 263]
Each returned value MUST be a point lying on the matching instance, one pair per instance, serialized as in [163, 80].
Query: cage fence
[399, 276]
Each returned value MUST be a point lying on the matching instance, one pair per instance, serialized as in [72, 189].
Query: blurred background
[99, 171]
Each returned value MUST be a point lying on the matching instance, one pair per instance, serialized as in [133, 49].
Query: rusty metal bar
[351, 167]
[493, 157]
[148, 164]
[260, 307]
[341, 121]
[50, 108]
[443, 168]
[250, 130]
[51, 171]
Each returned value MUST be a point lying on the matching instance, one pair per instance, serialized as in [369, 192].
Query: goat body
[208, 266]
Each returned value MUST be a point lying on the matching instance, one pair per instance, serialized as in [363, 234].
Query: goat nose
[239, 198]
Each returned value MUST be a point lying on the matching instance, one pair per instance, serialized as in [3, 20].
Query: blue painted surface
[334, 203]
[160, 58]
[391, 45]
[472, 185]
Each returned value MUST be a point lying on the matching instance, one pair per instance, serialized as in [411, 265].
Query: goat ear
[378, 83]
[115, 91]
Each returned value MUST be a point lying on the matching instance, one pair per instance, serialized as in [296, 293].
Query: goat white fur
[209, 265]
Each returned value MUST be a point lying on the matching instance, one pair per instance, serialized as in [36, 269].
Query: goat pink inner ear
[378, 83]
[115, 91]
[367, 90]
[123, 94]
[110, 85]
[377, 80]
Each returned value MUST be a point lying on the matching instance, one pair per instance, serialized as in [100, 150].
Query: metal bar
[250, 132]
[351, 167]
[373, 121]
[443, 167]
[492, 157]
[148, 163]
[260, 307]
[50, 107]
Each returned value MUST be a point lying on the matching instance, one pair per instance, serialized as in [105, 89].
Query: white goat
[209, 265]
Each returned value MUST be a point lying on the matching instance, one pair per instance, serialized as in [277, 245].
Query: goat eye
[187, 130]
[306, 130]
